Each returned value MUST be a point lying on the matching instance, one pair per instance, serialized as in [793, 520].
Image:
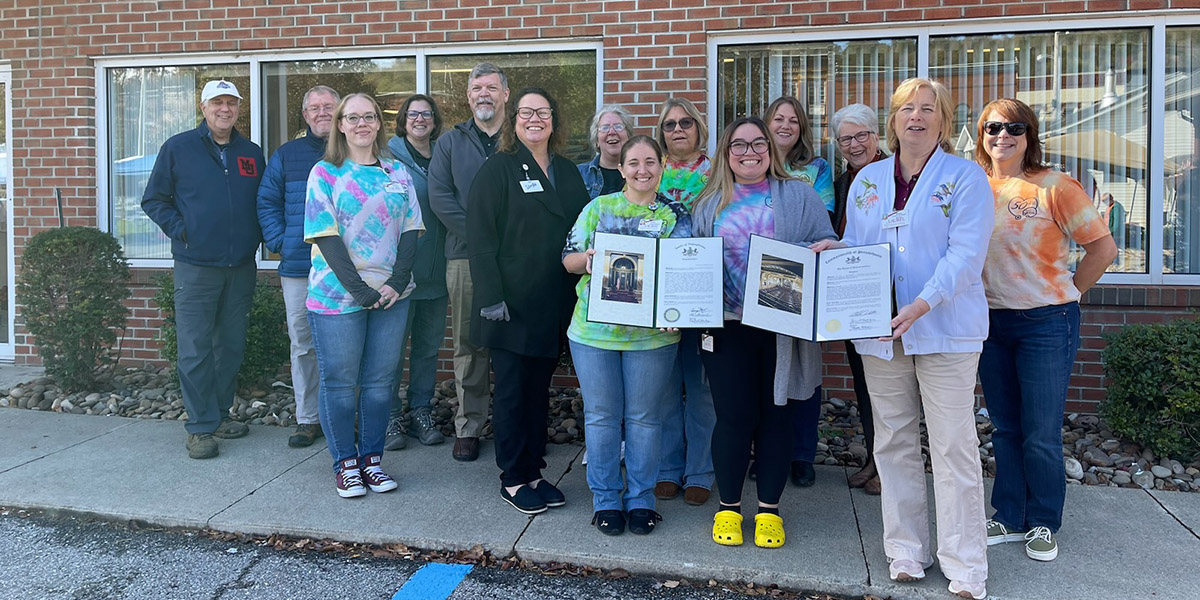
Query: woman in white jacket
[935, 210]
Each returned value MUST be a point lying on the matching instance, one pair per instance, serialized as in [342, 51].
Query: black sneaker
[395, 438]
[643, 520]
[609, 522]
[420, 426]
[525, 500]
[552, 496]
[803, 473]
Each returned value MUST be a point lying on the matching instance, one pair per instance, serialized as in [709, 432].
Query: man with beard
[457, 156]
[281, 197]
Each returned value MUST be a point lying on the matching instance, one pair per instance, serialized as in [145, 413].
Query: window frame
[255, 61]
[1156, 23]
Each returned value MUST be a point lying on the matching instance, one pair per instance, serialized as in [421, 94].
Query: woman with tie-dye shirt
[792, 133]
[363, 219]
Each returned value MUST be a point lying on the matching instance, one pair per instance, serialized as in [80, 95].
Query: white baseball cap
[219, 87]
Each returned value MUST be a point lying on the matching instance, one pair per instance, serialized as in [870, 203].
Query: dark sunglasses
[684, 123]
[994, 127]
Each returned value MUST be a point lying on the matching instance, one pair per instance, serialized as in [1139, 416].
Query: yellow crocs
[727, 528]
[768, 530]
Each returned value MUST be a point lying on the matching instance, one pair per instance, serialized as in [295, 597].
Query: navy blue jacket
[429, 264]
[281, 197]
[205, 206]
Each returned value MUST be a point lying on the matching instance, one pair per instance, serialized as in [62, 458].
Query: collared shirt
[905, 188]
[488, 141]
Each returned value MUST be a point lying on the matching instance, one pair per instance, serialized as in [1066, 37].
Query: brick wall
[652, 49]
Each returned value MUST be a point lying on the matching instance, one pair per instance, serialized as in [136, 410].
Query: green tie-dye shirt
[682, 182]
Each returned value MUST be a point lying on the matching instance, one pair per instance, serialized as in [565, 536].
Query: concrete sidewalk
[1116, 543]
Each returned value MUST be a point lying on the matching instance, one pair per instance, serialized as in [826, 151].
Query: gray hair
[320, 89]
[486, 68]
[855, 114]
[616, 109]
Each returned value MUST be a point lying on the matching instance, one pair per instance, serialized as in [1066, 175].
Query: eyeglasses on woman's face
[527, 113]
[860, 137]
[607, 128]
[742, 147]
[684, 123]
[420, 114]
[368, 118]
[994, 128]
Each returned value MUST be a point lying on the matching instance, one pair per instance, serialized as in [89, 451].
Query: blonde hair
[719, 187]
[904, 94]
[692, 111]
[337, 150]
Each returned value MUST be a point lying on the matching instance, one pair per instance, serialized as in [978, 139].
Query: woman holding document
[623, 370]
[753, 372]
[935, 210]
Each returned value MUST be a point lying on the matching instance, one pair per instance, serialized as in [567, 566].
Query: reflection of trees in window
[568, 76]
[1181, 192]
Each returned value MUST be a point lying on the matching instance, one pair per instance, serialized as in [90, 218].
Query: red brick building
[91, 89]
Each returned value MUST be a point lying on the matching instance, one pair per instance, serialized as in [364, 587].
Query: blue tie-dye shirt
[748, 214]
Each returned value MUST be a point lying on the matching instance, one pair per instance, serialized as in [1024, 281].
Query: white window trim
[1155, 21]
[8, 349]
[256, 59]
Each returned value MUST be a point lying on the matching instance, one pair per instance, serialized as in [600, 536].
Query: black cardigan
[516, 242]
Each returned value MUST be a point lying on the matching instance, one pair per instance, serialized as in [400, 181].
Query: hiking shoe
[1040, 544]
[395, 438]
[305, 435]
[525, 500]
[230, 429]
[420, 426]
[349, 479]
[998, 533]
[373, 475]
[201, 445]
[609, 522]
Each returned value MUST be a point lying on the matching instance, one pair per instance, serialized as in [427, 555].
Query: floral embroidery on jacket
[941, 197]
[869, 195]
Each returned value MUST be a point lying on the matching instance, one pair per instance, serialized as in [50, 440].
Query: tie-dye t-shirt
[749, 214]
[817, 174]
[615, 214]
[1036, 218]
[369, 207]
[682, 182]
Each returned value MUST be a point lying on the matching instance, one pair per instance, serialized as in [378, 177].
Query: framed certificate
[651, 282]
[839, 294]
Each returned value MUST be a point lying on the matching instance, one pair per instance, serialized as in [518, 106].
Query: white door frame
[8, 349]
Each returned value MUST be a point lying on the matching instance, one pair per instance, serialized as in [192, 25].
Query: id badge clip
[530, 186]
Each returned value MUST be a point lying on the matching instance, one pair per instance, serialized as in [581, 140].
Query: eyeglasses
[742, 147]
[860, 137]
[684, 123]
[527, 113]
[368, 118]
[324, 108]
[420, 114]
[994, 127]
[615, 127]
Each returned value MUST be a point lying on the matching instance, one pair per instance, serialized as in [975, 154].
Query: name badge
[707, 343]
[530, 186]
[393, 187]
[896, 218]
[650, 225]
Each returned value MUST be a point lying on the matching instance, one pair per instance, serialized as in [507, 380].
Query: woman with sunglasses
[362, 218]
[523, 202]
[1033, 301]
[608, 131]
[688, 416]
[935, 210]
[753, 372]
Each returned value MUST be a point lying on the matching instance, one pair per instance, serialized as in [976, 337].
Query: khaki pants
[471, 367]
[944, 385]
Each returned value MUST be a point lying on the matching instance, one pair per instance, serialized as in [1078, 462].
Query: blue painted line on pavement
[434, 581]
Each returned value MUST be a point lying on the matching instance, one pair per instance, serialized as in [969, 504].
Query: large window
[1181, 190]
[147, 105]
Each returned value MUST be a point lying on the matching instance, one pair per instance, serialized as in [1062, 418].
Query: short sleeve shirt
[817, 174]
[749, 213]
[613, 213]
[369, 206]
[1036, 218]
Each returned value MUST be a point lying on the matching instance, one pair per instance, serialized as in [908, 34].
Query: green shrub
[74, 281]
[1154, 397]
[267, 343]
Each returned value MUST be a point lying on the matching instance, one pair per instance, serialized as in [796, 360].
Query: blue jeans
[806, 415]
[357, 350]
[622, 386]
[687, 427]
[426, 328]
[1025, 369]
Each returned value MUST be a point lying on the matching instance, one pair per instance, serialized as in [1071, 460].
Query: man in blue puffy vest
[281, 198]
[201, 194]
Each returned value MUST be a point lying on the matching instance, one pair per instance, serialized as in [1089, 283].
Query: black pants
[520, 404]
[864, 398]
[741, 375]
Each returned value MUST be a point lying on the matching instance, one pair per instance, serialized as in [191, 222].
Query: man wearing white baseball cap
[202, 193]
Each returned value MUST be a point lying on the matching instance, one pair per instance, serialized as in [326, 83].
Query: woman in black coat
[523, 202]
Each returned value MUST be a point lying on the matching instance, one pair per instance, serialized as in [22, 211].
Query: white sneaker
[962, 589]
[904, 570]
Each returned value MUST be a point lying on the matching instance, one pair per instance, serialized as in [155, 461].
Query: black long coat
[516, 242]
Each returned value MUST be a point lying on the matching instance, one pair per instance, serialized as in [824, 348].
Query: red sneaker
[373, 474]
[349, 479]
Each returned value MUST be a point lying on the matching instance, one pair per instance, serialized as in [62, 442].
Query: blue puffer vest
[281, 199]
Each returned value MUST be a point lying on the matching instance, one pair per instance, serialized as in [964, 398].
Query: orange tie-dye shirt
[1036, 217]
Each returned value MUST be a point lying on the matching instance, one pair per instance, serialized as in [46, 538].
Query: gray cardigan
[800, 218]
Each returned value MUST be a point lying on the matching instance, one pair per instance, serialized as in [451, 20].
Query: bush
[1154, 398]
[74, 281]
[267, 343]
